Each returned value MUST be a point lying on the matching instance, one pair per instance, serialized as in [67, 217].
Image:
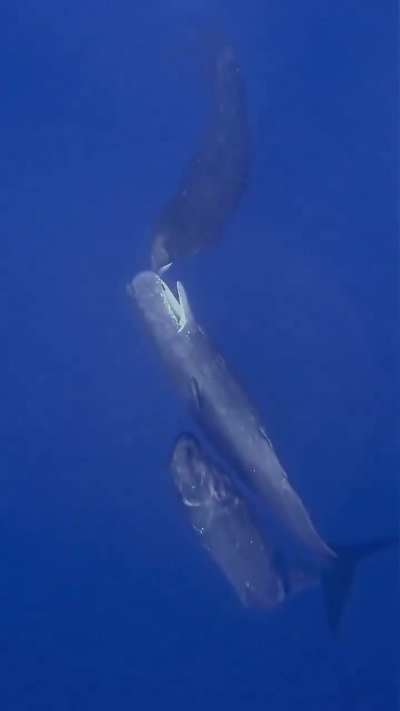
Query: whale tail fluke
[336, 582]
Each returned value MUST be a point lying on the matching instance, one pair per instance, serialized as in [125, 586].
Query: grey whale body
[221, 407]
[215, 178]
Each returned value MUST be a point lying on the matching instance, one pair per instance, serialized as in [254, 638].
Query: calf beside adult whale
[258, 567]
[259, 573]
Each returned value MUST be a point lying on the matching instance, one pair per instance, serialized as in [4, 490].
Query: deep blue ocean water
[106, 600]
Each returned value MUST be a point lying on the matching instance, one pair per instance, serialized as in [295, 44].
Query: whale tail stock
[337, 580]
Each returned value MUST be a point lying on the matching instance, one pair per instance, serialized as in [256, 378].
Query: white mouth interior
[176, 306]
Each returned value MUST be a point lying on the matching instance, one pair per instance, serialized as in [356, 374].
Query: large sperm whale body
[215, 179]
[220, 405]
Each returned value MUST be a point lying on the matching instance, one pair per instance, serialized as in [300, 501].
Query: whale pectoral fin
[265, 436]
[196, 394]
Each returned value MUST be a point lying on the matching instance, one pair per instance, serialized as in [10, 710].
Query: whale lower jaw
[165, 268]
[178, 308]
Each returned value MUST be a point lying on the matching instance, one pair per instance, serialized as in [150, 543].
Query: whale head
[166, 314]
[194, 475]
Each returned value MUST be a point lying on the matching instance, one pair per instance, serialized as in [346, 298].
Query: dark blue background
[106, 601]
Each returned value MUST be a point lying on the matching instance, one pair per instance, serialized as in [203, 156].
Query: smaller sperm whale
[222, 520]
[215, 179]
[258, 572]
